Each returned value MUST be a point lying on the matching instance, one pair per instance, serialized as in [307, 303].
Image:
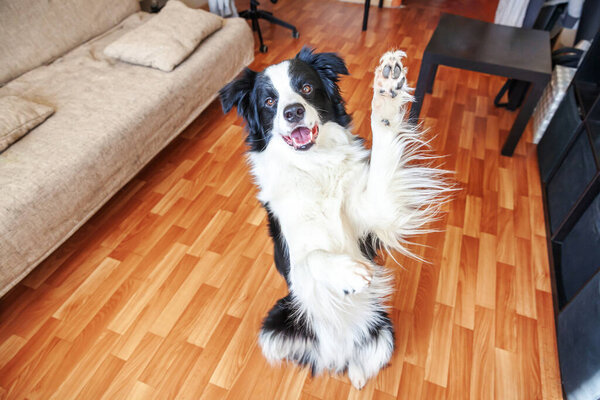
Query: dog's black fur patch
[326, 96]
[280, 249]
[286, 322]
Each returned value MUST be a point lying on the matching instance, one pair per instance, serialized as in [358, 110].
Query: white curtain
[224, 8]
[511, 12]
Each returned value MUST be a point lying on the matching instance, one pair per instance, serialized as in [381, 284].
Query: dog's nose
[294, 112]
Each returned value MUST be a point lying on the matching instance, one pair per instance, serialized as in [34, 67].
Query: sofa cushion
[111, 119]
[35, 32]
[166, 40]
[18, 116]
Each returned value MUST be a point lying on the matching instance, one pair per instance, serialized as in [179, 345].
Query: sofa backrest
[35, 32]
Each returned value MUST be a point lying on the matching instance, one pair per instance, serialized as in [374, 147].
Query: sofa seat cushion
[166, 40]
[18, 116]
[111, 118]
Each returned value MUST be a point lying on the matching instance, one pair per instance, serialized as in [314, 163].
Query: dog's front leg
[338, 272]
[393, 140]
[391, 96]
[401, 194]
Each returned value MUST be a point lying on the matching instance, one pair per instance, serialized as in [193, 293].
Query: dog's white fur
[327, 199]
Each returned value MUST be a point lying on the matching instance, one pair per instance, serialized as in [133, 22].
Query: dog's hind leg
[286, 336]
[372, 354]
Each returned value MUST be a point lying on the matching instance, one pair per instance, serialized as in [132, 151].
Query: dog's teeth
[397, 71]
[386, 71]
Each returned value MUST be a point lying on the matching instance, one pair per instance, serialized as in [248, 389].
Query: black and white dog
[331, 204]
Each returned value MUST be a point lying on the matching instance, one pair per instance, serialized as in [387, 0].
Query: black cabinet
[569, 164]
[578, 326]
[560, 132]
[570, 180]
[569, 161]
[582, 248]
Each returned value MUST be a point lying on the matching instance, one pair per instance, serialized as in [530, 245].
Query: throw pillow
[167, 39]
[17, 117]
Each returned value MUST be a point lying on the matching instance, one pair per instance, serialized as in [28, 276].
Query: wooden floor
[162, 293]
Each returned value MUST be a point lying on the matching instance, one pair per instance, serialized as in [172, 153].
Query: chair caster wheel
[295, 34]
[263, 48]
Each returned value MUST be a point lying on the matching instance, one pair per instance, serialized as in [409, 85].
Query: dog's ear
[329, 66]
[237, 93]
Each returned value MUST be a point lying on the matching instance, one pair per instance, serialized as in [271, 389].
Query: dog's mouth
[302, 138]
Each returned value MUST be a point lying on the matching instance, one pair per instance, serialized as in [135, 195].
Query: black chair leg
[253, 14]
[366, 15]
[269, 17]
[263, 47]
[431, 79]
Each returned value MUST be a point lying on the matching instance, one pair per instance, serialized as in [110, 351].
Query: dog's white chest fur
[310, 194]
[307, 191]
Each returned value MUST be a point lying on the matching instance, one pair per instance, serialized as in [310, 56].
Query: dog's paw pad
[386, 71]
[390, 74]
[401, 83]
[391, 92]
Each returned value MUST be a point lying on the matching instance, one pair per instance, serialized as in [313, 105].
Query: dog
[332, 204]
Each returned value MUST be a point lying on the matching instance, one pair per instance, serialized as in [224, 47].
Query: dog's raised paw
[390, 90]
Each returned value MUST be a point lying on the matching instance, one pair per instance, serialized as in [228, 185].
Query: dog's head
[289, 101]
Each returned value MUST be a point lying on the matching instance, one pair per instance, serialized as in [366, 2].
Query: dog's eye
[269, 102]
[306, 89]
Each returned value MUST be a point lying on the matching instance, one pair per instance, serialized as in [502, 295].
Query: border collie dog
[331, 204]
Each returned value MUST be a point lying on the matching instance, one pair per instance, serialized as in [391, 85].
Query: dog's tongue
[301, 136]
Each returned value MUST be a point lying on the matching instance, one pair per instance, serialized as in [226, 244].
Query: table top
[469, 40]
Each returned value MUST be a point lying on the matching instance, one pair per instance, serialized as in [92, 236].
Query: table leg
[423, 81]
[380, 3]
[366, 14]
[522, 118]
[431, 79]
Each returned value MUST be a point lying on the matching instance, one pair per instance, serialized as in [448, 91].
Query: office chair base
[254, 15]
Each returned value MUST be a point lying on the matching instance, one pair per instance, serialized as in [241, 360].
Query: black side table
[475, 45]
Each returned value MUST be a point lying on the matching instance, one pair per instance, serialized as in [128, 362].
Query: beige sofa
[110, 117]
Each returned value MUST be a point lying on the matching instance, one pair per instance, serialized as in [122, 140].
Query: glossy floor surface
[161, 294]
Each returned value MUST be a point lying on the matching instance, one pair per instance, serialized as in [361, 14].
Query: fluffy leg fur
[284, 336]
[372, 354]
